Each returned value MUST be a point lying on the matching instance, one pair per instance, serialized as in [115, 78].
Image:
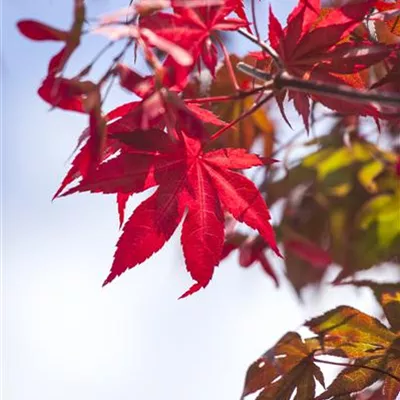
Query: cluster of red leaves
[321, 45]
[160, 139]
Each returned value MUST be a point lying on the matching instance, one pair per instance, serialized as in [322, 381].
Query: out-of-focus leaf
[307, 251]
[251, 250]
[343, 198]
[368, 173]
[290, 360]
[255, 125]
[384, 211]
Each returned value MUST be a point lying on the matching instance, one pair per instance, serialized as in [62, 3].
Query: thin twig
[228, 64]
[264, 46]
[238, 96]
[253, 15]
[254, 108]
[382, 371]
[339, 91]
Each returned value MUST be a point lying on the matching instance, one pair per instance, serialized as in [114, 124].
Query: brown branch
[286, 81]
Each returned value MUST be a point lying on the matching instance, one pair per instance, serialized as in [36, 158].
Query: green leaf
[385, 211]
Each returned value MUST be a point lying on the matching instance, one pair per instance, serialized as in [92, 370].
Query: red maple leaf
[188, 179]
[193, 28]
[320, 49]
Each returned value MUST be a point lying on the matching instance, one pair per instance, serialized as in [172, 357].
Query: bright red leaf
[194, 27]
[188, 179]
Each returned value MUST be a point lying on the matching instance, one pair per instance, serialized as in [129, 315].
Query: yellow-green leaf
[368, 173]
[352, 332]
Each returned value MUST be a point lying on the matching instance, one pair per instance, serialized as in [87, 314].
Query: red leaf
[233, 158]
[243, 200]
[347, 58]
[311, 43]
[188, 179]
[309, 252]
[57, 61]
[122, 199]
[205, 115]
[143, 235]
[275, 29]
[203, 229]
[38, 31]
[193, 27]
[61, 93]
[134, 82]
[252, 251]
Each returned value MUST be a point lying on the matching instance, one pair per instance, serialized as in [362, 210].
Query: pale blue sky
[64, 337]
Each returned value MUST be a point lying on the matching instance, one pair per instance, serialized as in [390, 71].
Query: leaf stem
[228, 64]
[238, 96]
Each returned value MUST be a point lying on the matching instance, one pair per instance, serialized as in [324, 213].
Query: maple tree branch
[288, 81]
[264, 46]
[382, 371]
[284, 80]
